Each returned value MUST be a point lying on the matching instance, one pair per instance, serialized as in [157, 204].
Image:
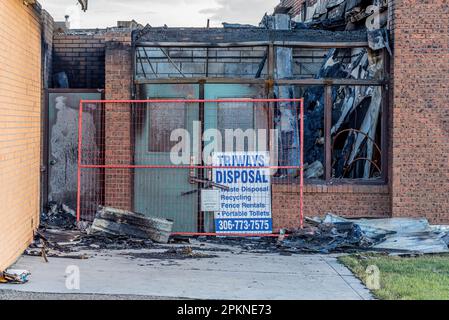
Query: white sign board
[210, 200]
[246, 206]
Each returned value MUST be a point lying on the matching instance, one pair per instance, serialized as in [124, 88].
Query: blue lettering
[261, 161]
[219, 177]
[236, 175]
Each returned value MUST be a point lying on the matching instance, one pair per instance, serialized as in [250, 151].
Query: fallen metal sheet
[401, 234]
[422, 242]
[443, 230]
[368, 230]
[392, 224]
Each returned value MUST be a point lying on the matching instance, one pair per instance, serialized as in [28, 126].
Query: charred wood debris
[60, 236]
[356, 110]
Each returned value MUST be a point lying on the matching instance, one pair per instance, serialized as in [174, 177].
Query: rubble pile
[334, 234]
[115, 229]
[72, 243]
[59, 234]
[58, 216]
[324, 238]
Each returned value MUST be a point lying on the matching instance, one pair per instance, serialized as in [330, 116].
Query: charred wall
[81, 57]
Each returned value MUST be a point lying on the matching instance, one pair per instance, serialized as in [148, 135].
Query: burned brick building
[324, 51]
[373, 75]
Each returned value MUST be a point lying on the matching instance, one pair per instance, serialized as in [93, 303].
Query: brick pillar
[118, 120]
[420, 112]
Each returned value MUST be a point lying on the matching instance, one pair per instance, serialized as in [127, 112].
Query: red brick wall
[420, 128]
[344, 200]
[81, 57]
[118, 133]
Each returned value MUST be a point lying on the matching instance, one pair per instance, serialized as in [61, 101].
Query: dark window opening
[344, 91]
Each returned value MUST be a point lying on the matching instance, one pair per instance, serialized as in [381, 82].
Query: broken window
[343, 126]
[307, 62]
[173, 62]
[343, 90]
[356, 132]
[314, 130]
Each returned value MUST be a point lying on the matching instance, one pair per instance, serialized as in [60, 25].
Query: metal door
[165, 192]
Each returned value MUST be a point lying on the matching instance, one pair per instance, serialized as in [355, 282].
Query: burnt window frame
[270, 82]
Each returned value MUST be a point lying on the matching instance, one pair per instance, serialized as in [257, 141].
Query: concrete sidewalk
[231, 275]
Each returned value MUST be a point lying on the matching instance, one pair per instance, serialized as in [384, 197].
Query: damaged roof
[248, 36]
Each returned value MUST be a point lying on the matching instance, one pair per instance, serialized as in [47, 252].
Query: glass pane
[176, 62]
[164, 119]
[236, 116]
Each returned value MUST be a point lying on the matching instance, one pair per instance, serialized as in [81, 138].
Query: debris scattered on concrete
[334, 234]
[55, 243]
[171, 254]
[324, 238]
[59, 243]
[120, 222]
[60, 236]
[50, 253]
[115, 229]
[401, 234]
[14, 276]
[110, 242]
[59, 216]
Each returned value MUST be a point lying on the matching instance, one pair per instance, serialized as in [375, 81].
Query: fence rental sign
[246, 206]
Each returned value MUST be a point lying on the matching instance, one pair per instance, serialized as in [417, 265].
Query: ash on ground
[60, 236]
[171, 254]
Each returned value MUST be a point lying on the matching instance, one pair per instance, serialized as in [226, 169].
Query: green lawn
[416, 278]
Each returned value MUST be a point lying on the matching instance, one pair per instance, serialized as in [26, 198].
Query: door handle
[208, 183]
